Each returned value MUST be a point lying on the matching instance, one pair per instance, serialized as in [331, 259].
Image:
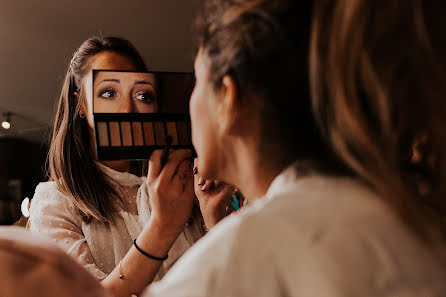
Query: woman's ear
[230, 107]
[83, 112]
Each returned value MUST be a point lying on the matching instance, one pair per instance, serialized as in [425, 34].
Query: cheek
[103, 105]
[203, 131]
[146, 108]
[199, 120]
[195, 117]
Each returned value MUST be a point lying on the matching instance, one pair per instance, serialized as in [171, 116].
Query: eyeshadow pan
[115, 137]
[137, 134]
[126, 134]
[159, 133]
[172, 131]
[149, 137]
[182, 133]
[103, 134]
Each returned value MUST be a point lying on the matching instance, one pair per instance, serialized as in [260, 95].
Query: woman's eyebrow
[111, 79]
[143, 82]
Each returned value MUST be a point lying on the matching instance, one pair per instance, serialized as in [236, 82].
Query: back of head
[378, 81]
[263, 45]
[32, 267]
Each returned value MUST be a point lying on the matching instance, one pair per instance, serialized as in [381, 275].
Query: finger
[154, 165]
[189, 188]
[212, 185]
[174, 160]
[217, 183]
[183, 174]
[207, 185]
[197, 180]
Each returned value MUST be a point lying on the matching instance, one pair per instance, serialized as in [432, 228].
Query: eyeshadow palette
[132, 136]
[123, 134]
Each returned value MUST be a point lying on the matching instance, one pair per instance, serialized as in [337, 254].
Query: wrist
[156, 239]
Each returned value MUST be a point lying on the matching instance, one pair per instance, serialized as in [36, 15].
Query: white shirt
[99, 247]
[312, 236]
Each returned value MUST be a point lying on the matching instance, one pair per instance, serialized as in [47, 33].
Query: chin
[203, 169]
[211, 170]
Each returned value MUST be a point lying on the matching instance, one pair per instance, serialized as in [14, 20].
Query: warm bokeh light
[6, 125]
[25, 207]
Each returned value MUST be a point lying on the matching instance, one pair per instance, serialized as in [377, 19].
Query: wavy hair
[378, 84]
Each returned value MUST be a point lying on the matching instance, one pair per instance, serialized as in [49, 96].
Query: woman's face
[204, 120]
[115, 92]
[124, 92]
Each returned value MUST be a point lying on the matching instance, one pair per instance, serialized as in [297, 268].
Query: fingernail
[216, 183]
[203, 188]
[200, 181]
[195, 170]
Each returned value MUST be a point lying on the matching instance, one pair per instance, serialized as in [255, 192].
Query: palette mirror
[135, 113]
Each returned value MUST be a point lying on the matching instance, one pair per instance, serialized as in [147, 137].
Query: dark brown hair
[70, 162]
[378, 80]
[263, 45]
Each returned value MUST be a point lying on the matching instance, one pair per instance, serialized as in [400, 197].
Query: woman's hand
[214, 197]
[171, 191]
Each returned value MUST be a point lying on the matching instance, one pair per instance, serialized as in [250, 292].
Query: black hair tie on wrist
[147, 254]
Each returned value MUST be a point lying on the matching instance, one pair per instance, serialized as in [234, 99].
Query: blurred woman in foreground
[333, 209]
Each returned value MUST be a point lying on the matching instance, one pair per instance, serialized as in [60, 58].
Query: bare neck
[253, 173]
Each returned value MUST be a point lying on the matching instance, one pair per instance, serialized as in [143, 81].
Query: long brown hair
[378, 84]
[70, 162]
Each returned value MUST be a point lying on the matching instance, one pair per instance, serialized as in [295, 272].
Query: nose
[126, 105]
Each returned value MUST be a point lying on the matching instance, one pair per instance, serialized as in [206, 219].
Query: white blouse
[99, 247]
[314, 236]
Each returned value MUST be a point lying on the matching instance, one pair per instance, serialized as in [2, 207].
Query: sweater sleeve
[54, 215]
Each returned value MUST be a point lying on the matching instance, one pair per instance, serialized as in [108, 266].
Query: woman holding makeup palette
[102, 214]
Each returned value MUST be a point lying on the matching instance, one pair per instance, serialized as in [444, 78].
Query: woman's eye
[108, 93]
[147, 97]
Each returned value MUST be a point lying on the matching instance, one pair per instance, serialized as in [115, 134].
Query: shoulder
[320, 212]
[314, 211]
[48, 193]
[326, 228]
[46, 189]
[48, 200]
